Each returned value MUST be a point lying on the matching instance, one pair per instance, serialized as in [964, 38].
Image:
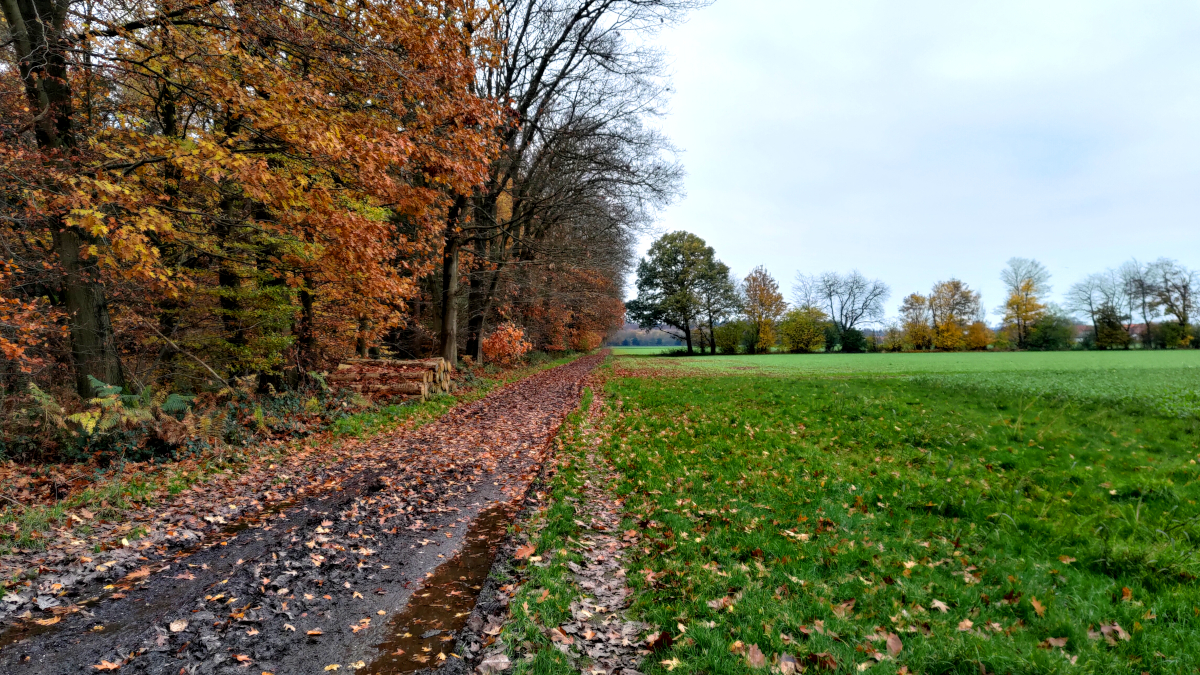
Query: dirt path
[321, 585]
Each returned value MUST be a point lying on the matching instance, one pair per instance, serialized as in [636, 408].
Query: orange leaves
[506, 345]
[524, 551]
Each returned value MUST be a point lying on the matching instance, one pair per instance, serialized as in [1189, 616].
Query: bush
[729, 336]
[979, 336]
[803, 330]
[1110, 332]
[506, 345]
[1052, 332]
[853, 341]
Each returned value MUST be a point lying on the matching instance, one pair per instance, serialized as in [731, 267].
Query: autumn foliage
[506, 344]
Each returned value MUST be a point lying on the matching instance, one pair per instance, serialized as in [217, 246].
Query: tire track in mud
[319, 584]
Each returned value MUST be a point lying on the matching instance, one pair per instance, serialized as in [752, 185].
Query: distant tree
[1175, 289]
[668, 283]
[763, 305]
[729, 335]
[853, 341]
[720, 298]
[1111, 332]
[1140, 289]
[893, 338]
[851, 300]
[952, 307]
[915, 322]
[1086, 297]
[1027, 282]
[979, 336]
[803, 329]
[1055, 331]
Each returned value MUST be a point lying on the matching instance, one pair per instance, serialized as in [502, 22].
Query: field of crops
[1154, 382]
[958, 513]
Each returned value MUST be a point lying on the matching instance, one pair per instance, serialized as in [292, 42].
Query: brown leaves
[178, 625]
[1111, 632]
[755, 657]
[106, 665]
[940, 606]
[724, 602]
[965, 625]
[48, 622]
[524, 551]
[844, 609]
[894, 645]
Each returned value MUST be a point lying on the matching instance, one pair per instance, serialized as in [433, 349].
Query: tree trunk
[92, 346]
[712, 335]
[449, 335]
[307, 338]
[687, 334]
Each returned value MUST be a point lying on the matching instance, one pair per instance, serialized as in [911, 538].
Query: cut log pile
[391, 378]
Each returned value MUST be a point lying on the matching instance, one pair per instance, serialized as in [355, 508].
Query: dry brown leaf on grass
[524, 551]
[965, 625]
[940, 606]
[755, 658]
[894, 645]
[1037, 606]
[843, 610]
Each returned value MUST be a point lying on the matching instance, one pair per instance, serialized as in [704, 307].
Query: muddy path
[325, 584]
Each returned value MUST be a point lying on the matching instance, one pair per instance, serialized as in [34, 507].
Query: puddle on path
[422, 636]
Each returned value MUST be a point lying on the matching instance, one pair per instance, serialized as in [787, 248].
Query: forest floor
[287, 578]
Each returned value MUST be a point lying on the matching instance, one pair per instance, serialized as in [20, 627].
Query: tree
[1110, 330]
[953, 306]
[803, 329]
[1139, 284]
[719, 298]
[1174, 292]
[915, 322]
[1054, 331]
[851, 300]
[979, 336]
[669, 281]
[763, 305]
[853, 341]
[728, 336]
[1027, 282]
[1086, 297]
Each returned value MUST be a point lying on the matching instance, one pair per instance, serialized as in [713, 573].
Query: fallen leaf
[243, 658]
[1037, 606]
[1126, 594]
[1066, 559]
[288, 626]
[1056, 642]
[178, 625]
[755, 658]
[894, 646]
[48, 622]
[524, 551]
[787, 664]
[843, 610]
[738, 647]
[965, 625]
[315, 631]
[333, 666]
[671, 664]
[940, 606]
[106, 665]
[252, 631]
[493, 664]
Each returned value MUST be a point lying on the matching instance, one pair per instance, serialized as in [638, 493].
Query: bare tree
[1027, 282]
[850, 299]
[1139, 287]
[1087, 297]
[576, 91]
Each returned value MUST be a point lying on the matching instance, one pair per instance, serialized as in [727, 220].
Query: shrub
[1110, 332]
[729, 336]
[979, 336]
[1052, 332]
[803, 329]
[506, 345]
[853, 341]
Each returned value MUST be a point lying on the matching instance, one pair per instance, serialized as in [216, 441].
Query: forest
[203, 202]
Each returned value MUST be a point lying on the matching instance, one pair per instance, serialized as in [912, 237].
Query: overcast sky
[922, 140]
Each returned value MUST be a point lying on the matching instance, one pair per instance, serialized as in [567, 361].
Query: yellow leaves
[671, 664]
[106, 665]
[333, 666]
[48, 622]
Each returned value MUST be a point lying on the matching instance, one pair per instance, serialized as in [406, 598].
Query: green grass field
[641, 351]
[999, 513]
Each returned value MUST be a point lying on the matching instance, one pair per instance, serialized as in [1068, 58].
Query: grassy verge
[548, 587]
[983, 530]
[113, 491]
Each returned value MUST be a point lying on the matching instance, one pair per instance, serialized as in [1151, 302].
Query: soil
[331, 582]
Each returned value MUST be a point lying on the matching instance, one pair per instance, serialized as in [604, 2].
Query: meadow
[883, 514]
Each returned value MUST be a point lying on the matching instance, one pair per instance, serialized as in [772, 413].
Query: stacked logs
[391, 378]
